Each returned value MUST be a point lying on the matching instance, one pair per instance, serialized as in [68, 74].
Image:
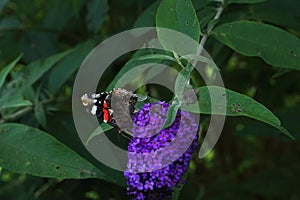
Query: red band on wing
[106, 116]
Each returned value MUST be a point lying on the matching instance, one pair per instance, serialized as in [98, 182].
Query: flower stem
[205, 36]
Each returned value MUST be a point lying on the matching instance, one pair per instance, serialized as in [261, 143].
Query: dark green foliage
[254, 44]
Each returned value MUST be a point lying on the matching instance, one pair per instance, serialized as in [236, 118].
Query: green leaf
[154, 57]
[62, 71]
[140, 58]
[212, 24]
[5, 71]
[177, 190]
[142, 97]
[15, 102]
[39, 111]
[276, 46]
[205, 15]
[199, 58]
[280, 72]
[10, 47]
[77, 6]
[32, 73]
[147, 18]
[27, 8]
[37, 69]
[171, 114]
[237, 105]
[243, 1]
[37, 44]
[200, 4]
[287, 13]
[53, 14]
[96, 11]
[140, 104]
[99, 130]
[29, 150]
[178, 15]
[40, 114]
[181, 82]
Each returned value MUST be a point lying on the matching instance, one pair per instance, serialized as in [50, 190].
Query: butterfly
[115, 107]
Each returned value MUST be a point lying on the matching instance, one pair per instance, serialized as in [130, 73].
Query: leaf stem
[16, 115]
[204, 39]
[205, 36]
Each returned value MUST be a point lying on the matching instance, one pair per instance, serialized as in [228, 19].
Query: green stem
[205, 36]
[204, 39]
[16, 115]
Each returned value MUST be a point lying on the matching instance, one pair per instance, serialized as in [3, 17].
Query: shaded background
[250, 161]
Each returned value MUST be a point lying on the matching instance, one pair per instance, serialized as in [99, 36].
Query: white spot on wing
[95, 96]
[94, 109]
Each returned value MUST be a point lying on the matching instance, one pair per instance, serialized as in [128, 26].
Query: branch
[17, 114]
[205, 36]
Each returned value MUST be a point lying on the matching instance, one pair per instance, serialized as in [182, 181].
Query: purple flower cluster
[157, 158]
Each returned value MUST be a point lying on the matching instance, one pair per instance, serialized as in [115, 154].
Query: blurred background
[251, 160]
